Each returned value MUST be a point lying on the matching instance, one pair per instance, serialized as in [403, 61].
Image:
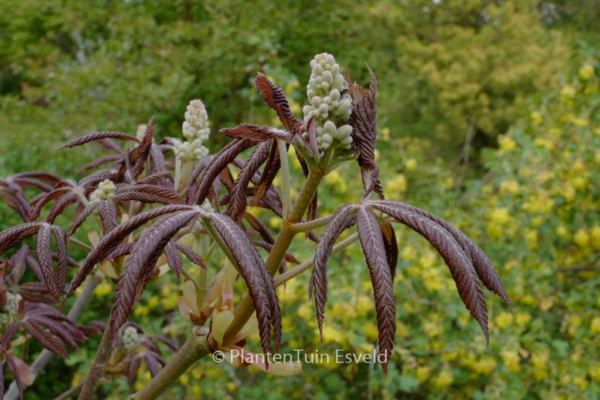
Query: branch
[97, 369]
[72, 391]
[310, 225]
[195, 348]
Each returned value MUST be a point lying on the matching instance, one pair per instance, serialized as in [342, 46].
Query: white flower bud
[334, 95]
[195, 125]
[130, 338]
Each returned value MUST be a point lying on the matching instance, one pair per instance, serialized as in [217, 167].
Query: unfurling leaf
[364, 131]
[197, 195]
[372, 242]
[237, 201]
[275, 98]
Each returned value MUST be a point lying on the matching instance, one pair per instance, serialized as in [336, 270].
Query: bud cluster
[330, 108]
[10, 309]
[187, 151]
[106, 191]
[195, 125]
[196, 130]
[130, 338]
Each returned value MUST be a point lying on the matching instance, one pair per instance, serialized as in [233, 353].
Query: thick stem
[195, 348]
[46, 355]
[97, 369]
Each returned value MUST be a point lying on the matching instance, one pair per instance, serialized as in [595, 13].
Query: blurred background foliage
[488, 116]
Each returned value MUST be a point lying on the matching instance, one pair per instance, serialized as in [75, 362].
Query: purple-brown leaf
[256, 133]
[372, 242]
[98, 136]
[318, 279]
[275, 98]
[44, 254]
[460, 264]
[140, 263]
[111, 240]
[260, 283]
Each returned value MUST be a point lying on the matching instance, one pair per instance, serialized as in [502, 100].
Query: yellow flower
[485, 366]
[184, 380]
[427, 260]
[511, 361]
[523, 318]
[398, 184]
[595, 237]
[104, 289]
[567, 92]
[506, 143]
[502, 320]
[153, 302]
[385, 134]
[531, 236]
[410, 164]
[444, 379]
[595, 326]
[275, 222]
[536, 117]
[334, 178]
[509, 187]
[500, 215]
[423, 373]
[408, 253]
[586, 71]
[582, 238]
[140, 311]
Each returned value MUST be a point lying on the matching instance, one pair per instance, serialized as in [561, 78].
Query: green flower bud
[339, 83]
[106, 191]
[343, 132]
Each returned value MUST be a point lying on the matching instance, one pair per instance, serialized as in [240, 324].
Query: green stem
[285, 178]
[195, 348]
[297, 270]
[310, 225]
